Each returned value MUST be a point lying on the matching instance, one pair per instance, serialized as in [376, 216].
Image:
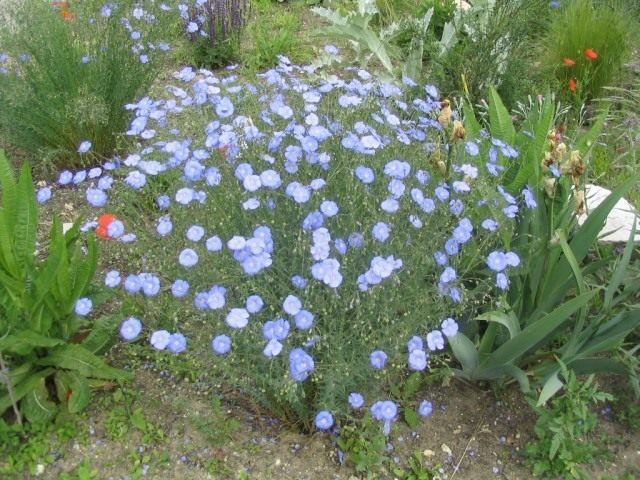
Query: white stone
[617, 227]
[66, 227]
[462, 5]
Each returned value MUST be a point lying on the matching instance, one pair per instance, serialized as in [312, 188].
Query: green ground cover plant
[564, 429]
[45, 367]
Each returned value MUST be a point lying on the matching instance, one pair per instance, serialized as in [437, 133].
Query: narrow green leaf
[614, 331]
[621, 269]
[530, 337]
[587, 141]
[582, 241]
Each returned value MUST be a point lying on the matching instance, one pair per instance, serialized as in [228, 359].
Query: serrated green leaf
[500, 122]
[103, 334]
[25, 341]
[24, 387]
[77, 358]
[411, 385]
[471, 124]
[26, 220]
[411, 418]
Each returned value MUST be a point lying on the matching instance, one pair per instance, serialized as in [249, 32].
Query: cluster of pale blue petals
[290, 138]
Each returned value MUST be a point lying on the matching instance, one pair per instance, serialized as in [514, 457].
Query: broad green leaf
[500, 122]
[587, 366]
[80, 393]
[530, 337]
[465, 351]
[413, 66]
[449, 38]
[551, 386]
[36, 406]
[25, 341]
[8, 187]
[507, 320]
[75, 357]
[24, 387]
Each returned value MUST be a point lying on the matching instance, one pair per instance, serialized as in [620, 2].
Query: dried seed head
[550, 187]
[458, 132]
[445, 113]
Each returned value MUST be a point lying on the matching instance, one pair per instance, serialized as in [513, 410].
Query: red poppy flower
[572, 85]
[67, 15]
[568, 62]
[590, 54]
[103, 224]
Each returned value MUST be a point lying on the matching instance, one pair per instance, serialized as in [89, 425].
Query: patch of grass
[67, 81]
[587, 43]
[275, 30]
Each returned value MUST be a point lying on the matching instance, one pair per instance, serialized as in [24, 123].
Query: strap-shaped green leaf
[551, 386]
[611, 333]
[532, 335]
[507, 320]
[621, 269]
[465, 351]
[583, 239]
